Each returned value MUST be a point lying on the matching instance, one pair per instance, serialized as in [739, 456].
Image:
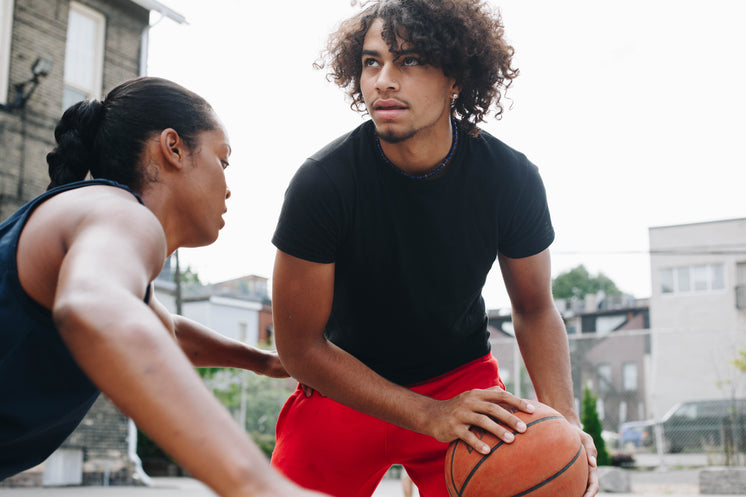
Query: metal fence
[666, 398]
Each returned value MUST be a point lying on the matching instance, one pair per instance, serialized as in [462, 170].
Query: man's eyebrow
[401, 53]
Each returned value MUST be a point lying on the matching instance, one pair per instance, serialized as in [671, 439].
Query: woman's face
[207, 185]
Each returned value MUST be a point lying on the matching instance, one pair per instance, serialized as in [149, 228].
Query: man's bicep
[528, 280]
[302, 295]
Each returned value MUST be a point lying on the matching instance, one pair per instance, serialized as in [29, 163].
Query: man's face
[404, 97]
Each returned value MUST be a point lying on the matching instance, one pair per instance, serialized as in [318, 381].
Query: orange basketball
[547, 460]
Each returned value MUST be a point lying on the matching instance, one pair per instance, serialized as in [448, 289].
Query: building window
[667, 280]
[683, 280]
[629, 377]
[689, 279]
[6, 29]
[717, 277]
[699, 275]
[84, 55]
[603, 373]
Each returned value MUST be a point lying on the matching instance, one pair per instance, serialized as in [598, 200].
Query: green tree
[592, 425]
[263, 399]
[188, 276]
[578, 283]
[740, 361]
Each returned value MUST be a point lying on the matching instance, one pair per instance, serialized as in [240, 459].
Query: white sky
[633, 110]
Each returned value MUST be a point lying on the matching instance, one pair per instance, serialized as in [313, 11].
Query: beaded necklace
[454, 141]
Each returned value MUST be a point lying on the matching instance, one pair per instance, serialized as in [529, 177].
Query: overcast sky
[633, 110]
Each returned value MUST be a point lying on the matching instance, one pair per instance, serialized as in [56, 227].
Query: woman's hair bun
[75, 134]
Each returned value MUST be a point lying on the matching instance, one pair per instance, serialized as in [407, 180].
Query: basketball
[547, 460]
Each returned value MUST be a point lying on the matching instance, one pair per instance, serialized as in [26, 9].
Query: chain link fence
[666, 398]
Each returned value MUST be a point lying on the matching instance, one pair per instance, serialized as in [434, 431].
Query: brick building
[54, 53]
[89, 47]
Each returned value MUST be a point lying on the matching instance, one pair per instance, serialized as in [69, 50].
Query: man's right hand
[490, 409]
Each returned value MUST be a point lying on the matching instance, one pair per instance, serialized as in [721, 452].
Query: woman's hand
[273, 366]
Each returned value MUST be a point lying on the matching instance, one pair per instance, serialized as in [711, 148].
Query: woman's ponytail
[74, 155]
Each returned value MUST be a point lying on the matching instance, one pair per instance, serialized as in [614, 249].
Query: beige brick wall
[26, 136]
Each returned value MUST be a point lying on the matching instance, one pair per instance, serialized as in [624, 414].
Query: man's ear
[173, 148]
[455, 87]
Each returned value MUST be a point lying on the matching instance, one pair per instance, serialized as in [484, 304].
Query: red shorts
[325, 446]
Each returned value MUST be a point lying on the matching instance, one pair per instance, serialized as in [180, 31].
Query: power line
[677, 251]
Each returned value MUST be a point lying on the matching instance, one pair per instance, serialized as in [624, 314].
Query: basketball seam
[476, 467]
[554, 476]
[458, 492]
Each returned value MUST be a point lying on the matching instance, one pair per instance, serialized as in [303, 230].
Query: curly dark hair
[462, 37]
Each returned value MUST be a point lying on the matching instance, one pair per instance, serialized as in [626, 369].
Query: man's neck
[422, 152]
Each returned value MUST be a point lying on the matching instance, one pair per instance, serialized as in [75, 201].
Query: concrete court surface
[186, 487]
[671, 484]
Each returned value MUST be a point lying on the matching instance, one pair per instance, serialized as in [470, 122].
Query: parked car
[705, 423]
[611, 439]
[637, 433]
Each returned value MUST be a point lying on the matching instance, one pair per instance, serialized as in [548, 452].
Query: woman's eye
[225, 164]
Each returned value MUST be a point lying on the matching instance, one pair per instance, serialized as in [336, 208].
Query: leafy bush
[592, 425]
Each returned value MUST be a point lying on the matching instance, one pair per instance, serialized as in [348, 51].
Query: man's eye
[225, 164]
[410, 61]
[370, 62]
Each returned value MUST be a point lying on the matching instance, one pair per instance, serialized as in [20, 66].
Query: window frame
[671, 275]
[6, 37]
[605, 378]
[626, 386]
[99, 50]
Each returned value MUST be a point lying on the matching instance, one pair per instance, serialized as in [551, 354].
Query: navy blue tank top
[43, 393]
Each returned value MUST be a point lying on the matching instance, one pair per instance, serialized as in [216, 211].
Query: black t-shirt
[411, 256]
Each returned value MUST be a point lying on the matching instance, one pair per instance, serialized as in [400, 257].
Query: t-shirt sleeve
[312, 216]
[527, 229]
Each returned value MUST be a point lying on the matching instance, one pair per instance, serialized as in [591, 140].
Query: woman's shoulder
[98, 211]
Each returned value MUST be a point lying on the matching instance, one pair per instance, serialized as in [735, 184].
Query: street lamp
[23, 91]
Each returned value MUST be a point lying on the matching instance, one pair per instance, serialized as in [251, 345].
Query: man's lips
[389, 109]
[389, 104]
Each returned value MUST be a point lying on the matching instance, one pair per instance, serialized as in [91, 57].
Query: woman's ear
[172, 148]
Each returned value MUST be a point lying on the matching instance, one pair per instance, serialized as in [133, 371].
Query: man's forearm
[543, 342]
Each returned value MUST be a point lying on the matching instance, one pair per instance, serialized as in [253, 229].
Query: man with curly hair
[385, 240]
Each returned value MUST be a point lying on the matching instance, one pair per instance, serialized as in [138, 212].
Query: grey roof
[156, 6]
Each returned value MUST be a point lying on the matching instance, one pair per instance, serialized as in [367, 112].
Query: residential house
[643, 357]
[54, 53]
[697, 311]
[239, 308]
[609, 346]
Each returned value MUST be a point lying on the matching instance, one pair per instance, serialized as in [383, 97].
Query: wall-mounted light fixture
[23, 91]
